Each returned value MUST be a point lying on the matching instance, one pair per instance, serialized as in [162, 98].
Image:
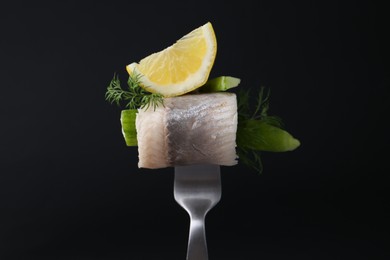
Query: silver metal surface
[197, 188]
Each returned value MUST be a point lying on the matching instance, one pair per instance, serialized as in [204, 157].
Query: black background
[71, 189]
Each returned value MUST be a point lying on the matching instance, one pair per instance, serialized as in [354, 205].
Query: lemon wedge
[180, 68]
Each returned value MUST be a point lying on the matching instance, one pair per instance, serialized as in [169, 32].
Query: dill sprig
[251, 157]
[260, 111]
[134, 96]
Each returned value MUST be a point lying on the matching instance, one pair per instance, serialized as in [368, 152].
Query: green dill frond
[134, 96]
[262, 104]
[260, 108]
[152, 100]
[251, 159]
[243, 103]
[273, 120]
[133, 81]
[114, 93]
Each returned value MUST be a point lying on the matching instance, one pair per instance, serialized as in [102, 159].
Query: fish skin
[209, 124]
[193, 129]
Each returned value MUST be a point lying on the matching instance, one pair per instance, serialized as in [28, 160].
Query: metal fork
[197, 188]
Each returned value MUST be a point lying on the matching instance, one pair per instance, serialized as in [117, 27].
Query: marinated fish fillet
[188, 129]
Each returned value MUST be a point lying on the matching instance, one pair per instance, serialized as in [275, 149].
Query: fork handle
[197, 247]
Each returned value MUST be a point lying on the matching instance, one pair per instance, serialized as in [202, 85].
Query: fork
[197, 188]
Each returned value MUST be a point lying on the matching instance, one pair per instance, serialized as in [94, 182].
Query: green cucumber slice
[221, 83]
[257, 135]
[128, 126]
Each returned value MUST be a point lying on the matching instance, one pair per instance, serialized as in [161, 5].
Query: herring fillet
[189, 129]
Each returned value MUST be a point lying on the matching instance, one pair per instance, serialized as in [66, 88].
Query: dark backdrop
[70, 188]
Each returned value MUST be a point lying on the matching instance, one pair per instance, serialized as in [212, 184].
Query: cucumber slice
[128, 126]
[221, 83]
[257, 135]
